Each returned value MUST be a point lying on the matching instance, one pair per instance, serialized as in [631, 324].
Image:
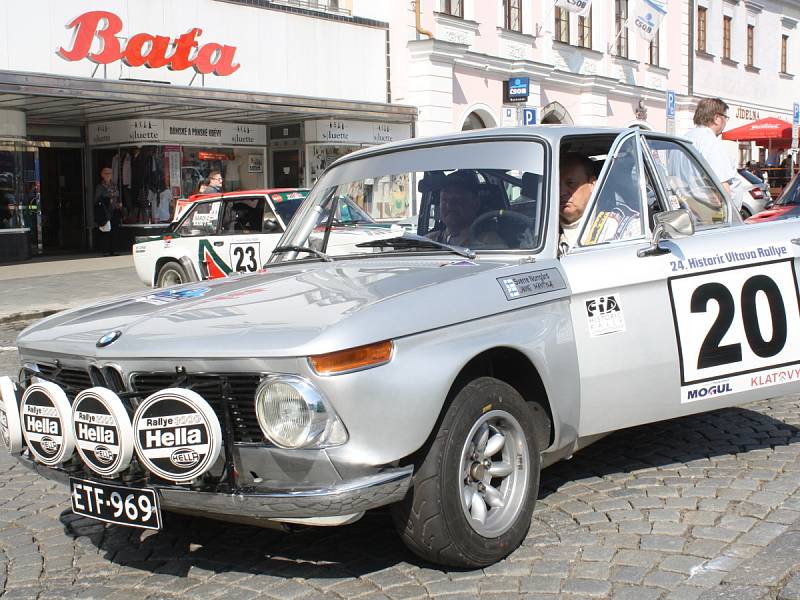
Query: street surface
[701, 507]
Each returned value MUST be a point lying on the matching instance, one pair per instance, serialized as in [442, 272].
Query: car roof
[552, 133]
[240, 193]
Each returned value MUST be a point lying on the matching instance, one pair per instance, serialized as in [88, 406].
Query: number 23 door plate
[737, 329]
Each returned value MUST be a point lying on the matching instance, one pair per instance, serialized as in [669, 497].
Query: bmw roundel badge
[108, 339]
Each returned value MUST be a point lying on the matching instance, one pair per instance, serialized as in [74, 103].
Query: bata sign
[144, 49]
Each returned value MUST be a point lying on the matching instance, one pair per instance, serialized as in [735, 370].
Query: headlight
[293, 414]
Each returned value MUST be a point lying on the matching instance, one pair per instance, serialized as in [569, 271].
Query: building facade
[163, 92]
[584, 70]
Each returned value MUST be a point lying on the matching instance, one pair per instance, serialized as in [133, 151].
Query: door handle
[219, 243]
[796, 241]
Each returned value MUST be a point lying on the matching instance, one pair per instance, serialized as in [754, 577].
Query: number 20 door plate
[134, 507]
[737, 329]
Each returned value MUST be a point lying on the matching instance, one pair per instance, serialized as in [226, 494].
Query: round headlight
[293, 414]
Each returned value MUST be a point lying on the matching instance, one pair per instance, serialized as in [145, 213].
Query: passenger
[616, 217]
[459, 206]
[576, 184]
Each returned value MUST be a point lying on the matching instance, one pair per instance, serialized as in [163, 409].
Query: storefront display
[330, 139]
[176, 159]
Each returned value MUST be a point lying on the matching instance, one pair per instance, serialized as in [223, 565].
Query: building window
[562, 25]
[513, 14]
[453, 7]
[701, 29]
[621, 27]
[726, 37]
[751, 34]
[654, 50]
[585, 30]
[784, 53]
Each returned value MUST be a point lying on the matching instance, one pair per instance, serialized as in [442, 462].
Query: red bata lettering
[144, 49]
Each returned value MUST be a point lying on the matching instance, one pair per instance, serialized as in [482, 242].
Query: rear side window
[203, 219]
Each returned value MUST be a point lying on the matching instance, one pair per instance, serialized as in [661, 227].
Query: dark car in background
[785, 207]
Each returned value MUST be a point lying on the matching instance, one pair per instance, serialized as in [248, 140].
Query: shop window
[19, 188]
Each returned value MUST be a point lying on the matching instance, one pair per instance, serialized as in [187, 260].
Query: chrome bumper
[344, 498]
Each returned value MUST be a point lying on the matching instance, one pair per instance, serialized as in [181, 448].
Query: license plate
[135, 507]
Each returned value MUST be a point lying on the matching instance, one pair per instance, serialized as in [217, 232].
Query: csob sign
[144, 49]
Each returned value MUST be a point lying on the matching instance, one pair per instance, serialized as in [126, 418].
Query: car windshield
[484, 196]
[790, 196]
[287, 203]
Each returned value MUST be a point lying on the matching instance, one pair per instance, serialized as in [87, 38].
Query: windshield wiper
[410, 240]
[317, 253]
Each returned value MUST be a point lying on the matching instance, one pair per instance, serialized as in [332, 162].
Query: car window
[687, 183]
[243, 215]
[462, 191]
[617, 211]
[287, 203]
[202, 219]
[750, 177]
[791, 195]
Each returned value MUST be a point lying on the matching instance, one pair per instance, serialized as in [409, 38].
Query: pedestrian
[214, 182]
[107, 211]
[710, 119]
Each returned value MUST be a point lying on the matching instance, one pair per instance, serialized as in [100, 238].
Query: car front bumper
[347, 497]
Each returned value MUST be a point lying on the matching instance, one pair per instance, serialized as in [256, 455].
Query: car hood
[776, 212]
[290, 310]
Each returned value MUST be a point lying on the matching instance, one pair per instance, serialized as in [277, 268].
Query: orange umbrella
[763, 132]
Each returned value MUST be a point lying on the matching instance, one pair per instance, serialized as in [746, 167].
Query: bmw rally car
[435, 372]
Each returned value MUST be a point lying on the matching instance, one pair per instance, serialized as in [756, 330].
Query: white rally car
[216, 235]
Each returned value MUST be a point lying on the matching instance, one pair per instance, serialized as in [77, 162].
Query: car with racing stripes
[562, 283]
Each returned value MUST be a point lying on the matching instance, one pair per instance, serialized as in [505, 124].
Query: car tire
[745, 213]
[171, 273]
[459, 513]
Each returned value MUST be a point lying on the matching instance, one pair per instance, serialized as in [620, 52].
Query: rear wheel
[171, 273]
[474, 490]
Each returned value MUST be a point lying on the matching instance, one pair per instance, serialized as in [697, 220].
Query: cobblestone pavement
[700, 507]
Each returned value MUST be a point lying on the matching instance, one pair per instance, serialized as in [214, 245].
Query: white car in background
[216, 235]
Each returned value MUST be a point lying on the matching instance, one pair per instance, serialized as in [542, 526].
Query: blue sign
[670, 104]
[517, 89]
[796, 115]
[528, 116]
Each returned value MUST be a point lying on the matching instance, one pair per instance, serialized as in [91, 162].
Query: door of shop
[62, 199]
[286, 168]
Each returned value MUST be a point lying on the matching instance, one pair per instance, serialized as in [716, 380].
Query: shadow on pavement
[189, 545]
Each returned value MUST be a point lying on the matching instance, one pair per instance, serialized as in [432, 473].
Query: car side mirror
[769, 204]
[669, 225]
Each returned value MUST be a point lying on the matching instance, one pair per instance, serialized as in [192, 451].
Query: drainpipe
[690, 81]
[417, 10]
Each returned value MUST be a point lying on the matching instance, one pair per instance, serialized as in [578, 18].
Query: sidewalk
[39, 287]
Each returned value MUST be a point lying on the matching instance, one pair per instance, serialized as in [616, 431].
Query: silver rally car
[435, 372]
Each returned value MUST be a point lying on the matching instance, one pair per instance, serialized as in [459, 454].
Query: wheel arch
[514, 368]
[183, 261]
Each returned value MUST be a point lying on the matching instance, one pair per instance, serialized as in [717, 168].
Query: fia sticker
[605, 315]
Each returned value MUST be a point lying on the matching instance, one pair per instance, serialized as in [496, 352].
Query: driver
[459, 206]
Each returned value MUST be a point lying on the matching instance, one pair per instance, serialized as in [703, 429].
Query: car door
[692, 326]
[195, 238]
[239, 241]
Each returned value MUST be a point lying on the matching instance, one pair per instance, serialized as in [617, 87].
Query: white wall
[279, 52]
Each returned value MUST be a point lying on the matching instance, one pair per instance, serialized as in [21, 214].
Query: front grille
[72, 381]
[241, 394]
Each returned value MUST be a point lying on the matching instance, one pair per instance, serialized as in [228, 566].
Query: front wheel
[474, 490]
[171, 273]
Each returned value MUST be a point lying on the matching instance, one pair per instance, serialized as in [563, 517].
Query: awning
[60, 100]
[768, 131]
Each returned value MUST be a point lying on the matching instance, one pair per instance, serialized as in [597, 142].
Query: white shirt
[570, 231]
[711, 148]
